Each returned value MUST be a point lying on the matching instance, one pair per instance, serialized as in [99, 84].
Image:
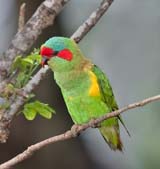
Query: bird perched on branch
[85, 88]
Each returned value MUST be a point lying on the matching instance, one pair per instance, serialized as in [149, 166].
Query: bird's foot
[75, 130]
[92, 123]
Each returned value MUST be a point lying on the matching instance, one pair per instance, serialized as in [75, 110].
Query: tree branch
[91, 21]
[70, 134]
[22, 16]
[7, 116]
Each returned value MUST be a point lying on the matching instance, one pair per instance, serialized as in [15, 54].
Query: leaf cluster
[23, 69]
[34, 108]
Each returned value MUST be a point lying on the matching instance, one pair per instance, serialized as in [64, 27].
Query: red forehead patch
[45, 51]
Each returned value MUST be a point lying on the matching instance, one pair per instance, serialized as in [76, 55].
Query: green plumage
[85, 88]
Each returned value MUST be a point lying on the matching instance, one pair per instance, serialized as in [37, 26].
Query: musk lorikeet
[85, 88]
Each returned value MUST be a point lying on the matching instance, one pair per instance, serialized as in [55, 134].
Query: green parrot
[85, 88]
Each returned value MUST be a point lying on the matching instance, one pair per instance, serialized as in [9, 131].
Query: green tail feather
[120, 119]
[112, 137]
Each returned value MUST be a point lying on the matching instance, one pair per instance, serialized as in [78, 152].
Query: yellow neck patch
[94, 88]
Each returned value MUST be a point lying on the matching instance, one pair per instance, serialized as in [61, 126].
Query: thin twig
[8, 115]
[91, 21]
[70, 134]
[22, 14]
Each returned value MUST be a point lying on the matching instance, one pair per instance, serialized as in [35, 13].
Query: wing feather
[107, 92]
[105, 88]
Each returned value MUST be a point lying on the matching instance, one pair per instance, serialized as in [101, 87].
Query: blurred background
[125, 44]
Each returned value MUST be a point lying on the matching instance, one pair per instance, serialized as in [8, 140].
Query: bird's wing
[105, 88]
[107, 92]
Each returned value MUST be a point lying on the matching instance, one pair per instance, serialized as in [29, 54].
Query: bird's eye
[55, 52]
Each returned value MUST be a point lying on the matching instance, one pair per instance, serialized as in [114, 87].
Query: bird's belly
[82, 107]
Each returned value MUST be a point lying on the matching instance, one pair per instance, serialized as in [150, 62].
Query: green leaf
[37, 107]
[35, 57]
[28, 60]
[20, 80]
[44, 109]
[29, 113]
[46, 114]
[15, 63]
[21, 63]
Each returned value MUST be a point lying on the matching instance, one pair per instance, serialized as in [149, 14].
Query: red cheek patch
[65, 54]
[46, 51]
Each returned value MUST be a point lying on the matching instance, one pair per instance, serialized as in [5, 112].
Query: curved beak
[44, 61]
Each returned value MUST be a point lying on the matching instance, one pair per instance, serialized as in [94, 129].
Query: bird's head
[60, 53]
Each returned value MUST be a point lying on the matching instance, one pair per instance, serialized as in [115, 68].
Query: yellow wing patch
[94, 88]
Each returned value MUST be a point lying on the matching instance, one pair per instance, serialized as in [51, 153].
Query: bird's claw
[93, 125]
[74, 130]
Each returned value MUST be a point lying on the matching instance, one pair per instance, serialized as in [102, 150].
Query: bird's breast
[85, 84]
